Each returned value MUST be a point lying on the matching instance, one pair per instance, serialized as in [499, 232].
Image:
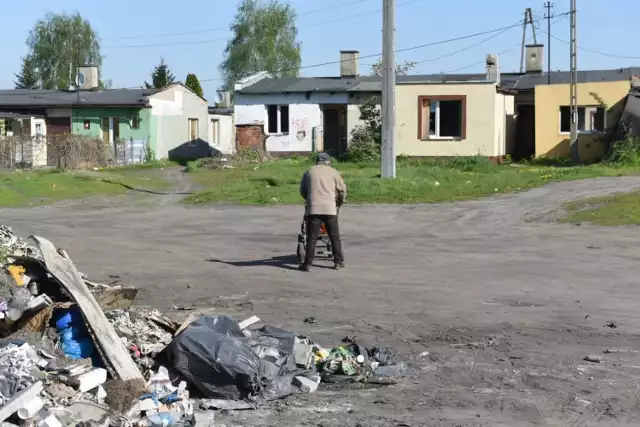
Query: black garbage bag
[213, 355]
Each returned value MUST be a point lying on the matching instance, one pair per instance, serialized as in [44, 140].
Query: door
[115, 127]
[57, 128]
[105, 126]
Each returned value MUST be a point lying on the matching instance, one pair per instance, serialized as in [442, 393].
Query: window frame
[584, 108]
[215, 131]
[279, 119]
[421, 101]
[196, 121]
[135, 121]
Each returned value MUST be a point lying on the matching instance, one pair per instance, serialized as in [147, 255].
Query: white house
[300, 115]
[222, 133]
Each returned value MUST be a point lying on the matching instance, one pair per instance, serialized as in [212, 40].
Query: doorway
[335, 129]
[110, 129]
[525, 147]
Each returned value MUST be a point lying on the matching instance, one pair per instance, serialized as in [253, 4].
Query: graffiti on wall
[301, 128]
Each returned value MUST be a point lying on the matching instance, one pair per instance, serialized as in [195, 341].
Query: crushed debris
[75, 353]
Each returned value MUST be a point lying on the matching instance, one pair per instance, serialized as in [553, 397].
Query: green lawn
[277, 182]
[42, 187]
[619, 209]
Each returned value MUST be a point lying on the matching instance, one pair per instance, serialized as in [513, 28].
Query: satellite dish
[81, 79]
[219, 98]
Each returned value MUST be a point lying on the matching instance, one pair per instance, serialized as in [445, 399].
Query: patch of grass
[615, 210]
[41, 187]
[418, 181]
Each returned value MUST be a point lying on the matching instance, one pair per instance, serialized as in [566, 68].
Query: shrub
[625, 151]
[364, 148]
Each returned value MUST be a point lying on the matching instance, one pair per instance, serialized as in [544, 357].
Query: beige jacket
[322, 187]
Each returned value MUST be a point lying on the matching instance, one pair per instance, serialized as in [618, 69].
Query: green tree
[28, 77]
[401, 69]
[60, 42]
[161, 76]
[193, 83]
[367, 138]
[265, 38]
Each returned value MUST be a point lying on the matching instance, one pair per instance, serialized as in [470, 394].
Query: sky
[191, 36]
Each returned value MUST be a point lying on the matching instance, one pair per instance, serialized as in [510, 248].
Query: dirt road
[493, 272]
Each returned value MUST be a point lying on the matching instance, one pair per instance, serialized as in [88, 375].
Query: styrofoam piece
[31, 408]
[92, 379]
[250, 321]
[50, 421]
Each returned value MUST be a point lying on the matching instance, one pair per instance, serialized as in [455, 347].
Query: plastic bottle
[162, 419]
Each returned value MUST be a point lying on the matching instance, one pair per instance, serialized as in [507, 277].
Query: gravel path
[419, 278]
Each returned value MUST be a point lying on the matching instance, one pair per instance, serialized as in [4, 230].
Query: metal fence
[69, 152]
[130, 152]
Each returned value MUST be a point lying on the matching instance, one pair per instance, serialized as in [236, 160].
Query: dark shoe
[304, 267]
[338, 266]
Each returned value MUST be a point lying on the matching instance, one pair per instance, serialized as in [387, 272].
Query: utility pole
[528, 20]
[388, 166]
[574, 86]
[548, 17]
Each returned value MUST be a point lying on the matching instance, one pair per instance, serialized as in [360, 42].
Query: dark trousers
[314, 222]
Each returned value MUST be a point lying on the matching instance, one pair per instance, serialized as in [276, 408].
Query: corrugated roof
[374, 84]
[48, 98]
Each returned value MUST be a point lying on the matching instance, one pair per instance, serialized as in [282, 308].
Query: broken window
[590, 119]
[277, 119]
[442, 117]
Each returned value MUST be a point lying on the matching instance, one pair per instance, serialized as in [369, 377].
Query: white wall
[39, 154]
[172, 108]
[225, 140]
[304, 115]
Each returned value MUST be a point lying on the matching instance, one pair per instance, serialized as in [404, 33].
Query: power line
[211, 30]
[466, 67]
[422, 46]
[471, 46]
[206, 41]
[597, 52]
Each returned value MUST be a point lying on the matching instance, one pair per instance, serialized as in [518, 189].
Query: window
[87, 124]
[215, 131]
[39, 129]
[277, 119]
[442, 117]
[590, 119]
[135, 122]
[193, 129]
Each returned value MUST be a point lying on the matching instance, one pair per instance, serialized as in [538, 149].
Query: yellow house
[454, 115]
[543, 116]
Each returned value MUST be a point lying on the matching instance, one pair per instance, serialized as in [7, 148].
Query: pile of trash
[74, 352]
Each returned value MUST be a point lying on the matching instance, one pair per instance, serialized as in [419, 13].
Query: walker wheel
[300, 253]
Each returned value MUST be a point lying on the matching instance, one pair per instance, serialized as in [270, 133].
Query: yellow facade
[488, 120]
[551, 142]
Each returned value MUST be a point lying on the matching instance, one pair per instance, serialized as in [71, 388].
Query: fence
[66, 151]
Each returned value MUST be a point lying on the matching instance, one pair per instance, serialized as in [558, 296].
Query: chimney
[87, 77]
[534, 58]
[349, 63]
[493, 69]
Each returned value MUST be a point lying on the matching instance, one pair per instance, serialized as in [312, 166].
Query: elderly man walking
[323, 190]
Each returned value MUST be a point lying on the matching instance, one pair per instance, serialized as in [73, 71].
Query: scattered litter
[611, 324]
[93, 361]
[594, 359]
